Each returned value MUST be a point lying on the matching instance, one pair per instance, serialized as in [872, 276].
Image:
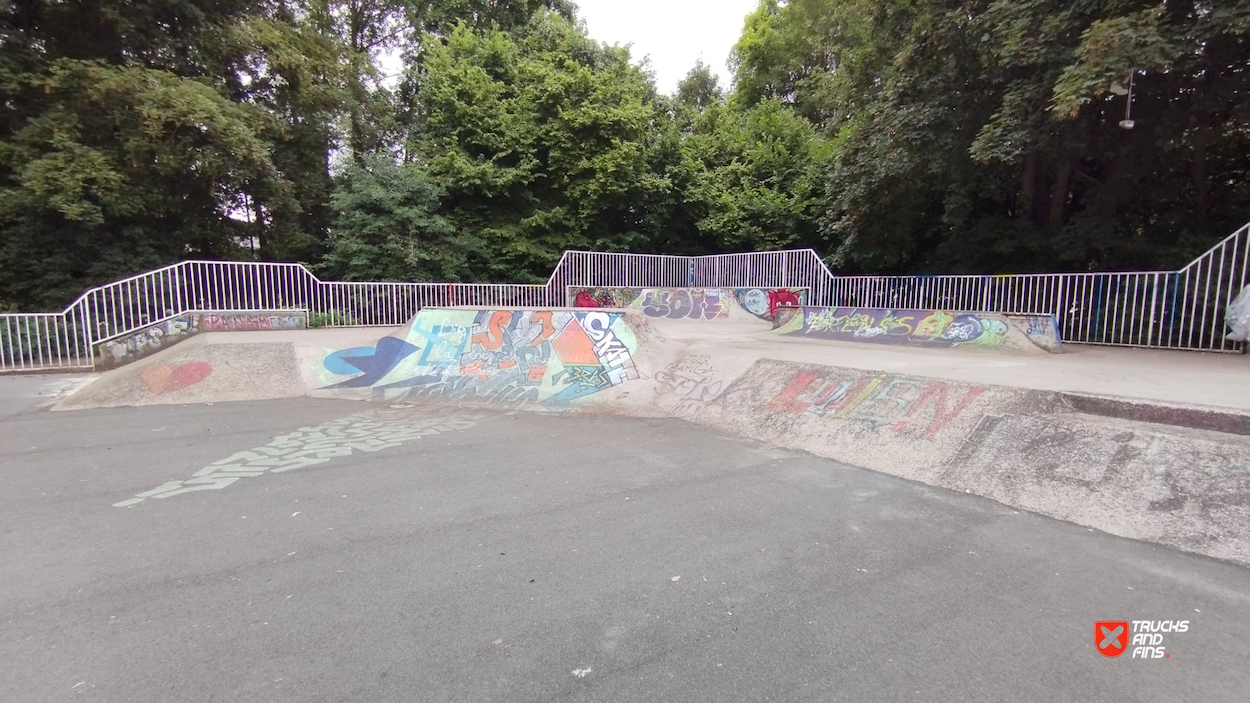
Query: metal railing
[1181, 309]
[1158, 309]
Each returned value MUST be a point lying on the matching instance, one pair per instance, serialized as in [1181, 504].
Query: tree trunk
[1059, 196]
[1198, 174]
[1028, 187]
[1109, 192]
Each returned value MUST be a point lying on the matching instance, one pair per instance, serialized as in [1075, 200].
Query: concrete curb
[1192, 416]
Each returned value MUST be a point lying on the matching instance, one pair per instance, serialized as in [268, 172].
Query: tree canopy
[477, 139]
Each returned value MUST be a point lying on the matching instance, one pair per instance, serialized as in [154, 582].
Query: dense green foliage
[984, 135]
[902, 136]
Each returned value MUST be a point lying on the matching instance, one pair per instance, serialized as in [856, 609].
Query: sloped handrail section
[1181, 309]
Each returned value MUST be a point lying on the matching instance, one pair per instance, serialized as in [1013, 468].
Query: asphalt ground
[528, 557]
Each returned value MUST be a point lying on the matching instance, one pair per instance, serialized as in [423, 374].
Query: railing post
[1154, 300]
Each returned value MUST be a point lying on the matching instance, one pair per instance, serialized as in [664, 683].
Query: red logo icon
[1111, 637]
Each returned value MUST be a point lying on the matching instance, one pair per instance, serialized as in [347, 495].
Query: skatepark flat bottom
[371, 553]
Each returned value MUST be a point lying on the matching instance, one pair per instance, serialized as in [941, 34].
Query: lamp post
[1127, 122]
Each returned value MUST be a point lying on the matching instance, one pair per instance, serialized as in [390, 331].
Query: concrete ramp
[197, 371]
[977, 331]
[1183, 487]
[551, 359]
[1090, 460]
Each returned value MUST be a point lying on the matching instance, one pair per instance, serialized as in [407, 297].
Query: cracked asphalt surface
[532, 557]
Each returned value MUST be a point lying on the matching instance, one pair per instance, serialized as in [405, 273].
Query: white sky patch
[673, 34]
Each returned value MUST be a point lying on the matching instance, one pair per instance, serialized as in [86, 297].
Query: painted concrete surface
[689, 304]
[196, 371]
[162, 335]
[1173, 485]
[1182, 377]
[1025, 447]
[975, 331]
[531, 557]
[543, 358]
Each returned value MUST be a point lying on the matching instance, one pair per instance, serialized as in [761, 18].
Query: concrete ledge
[1192, 416]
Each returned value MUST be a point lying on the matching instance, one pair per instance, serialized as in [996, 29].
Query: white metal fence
[1159, 309]
[1177, 309]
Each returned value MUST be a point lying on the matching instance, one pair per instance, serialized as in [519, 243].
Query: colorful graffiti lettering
[931, 328]
[512, 356]
[684, 303]
[880, 401]
[250, 321]
[687, 303]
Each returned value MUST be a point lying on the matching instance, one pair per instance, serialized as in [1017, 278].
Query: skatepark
[676, 498]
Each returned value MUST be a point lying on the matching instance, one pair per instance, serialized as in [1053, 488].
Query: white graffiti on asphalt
[369, 431]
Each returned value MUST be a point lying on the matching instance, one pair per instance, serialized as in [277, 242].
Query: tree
[758, 177]
[542, 142]
[387, 226]
[700, 89]
[120, 146]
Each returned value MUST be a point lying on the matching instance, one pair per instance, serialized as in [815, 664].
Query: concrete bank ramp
[1091, 461]
[197, 371]
[1183, 487]
[976, 331]
[539, 359]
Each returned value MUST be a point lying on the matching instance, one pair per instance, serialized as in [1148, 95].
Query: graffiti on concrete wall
[1043, 330]
[509, 356]
[151, 339]
[146, 342]
[880, 401]
[251, 321]
[928, 328]
[901, 405]
[687, 385]
[607, 297]
[919, 407]
[685, 303]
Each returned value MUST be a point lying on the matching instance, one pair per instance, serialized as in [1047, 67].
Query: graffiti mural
[924, 328]
[879, 401]
[827, 400]
[682, 303]
[687, 385]
[151, 339]
[544, 357]
[686, 303]
[251, 321]
[1043, 330]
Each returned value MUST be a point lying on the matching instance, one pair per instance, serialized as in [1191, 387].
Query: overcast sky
[673, 33]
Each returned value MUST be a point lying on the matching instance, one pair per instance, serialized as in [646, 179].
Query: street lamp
[1127, 122]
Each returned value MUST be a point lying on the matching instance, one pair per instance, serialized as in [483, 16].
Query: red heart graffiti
[167, 379]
